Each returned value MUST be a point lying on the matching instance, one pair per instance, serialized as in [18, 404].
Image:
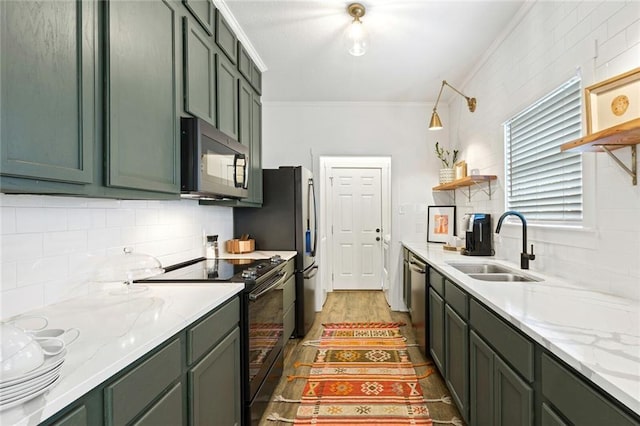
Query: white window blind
[543, 183]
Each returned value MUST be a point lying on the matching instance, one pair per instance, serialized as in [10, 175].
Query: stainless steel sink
[480, 268]
[503, 277]
[492, 272]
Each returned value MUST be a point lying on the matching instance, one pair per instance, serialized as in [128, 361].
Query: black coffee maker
[478, 236]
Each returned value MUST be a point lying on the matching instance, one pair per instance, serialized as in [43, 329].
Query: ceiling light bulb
[356, 36]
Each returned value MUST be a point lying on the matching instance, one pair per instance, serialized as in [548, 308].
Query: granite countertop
[597, 334]
[115, 330]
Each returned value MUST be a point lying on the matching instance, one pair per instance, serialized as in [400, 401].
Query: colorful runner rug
[362, 375]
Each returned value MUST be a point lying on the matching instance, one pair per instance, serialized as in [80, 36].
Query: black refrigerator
[287, 221]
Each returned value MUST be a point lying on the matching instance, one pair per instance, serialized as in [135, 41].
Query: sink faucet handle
[531, 255]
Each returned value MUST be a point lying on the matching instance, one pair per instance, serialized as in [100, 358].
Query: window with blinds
[543, 183]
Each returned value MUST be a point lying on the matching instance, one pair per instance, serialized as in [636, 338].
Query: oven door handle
[279, 279]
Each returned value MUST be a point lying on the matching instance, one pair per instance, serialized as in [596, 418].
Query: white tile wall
[553, 40]
[51, 246]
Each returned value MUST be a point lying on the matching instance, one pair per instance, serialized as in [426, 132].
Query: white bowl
[12, 340]
[26, 359]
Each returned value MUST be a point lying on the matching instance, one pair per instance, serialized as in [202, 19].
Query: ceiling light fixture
[357, 38]
[435, 123]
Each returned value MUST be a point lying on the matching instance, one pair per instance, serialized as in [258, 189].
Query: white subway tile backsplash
[8, 275]
[78, 219]
[7, 220]
[55, 243]
[16, 247]
[120, 217]
[21, 299]
[103, 238]
[34, 271]
[40, 220]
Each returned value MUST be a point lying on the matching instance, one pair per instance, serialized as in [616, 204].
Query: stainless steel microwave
[213, 165]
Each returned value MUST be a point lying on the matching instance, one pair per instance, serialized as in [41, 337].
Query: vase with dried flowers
[447, 172]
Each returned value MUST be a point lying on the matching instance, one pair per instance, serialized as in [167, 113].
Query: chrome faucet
[524, 256]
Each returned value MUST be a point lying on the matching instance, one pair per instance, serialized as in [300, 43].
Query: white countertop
[596, 333]
[115, 330]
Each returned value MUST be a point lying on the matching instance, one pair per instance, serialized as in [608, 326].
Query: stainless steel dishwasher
[418, 309]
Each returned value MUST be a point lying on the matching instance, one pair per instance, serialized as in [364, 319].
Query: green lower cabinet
[498, 395]
[436, 330]
[457, 359]
[48, 76]
[549, 417]
[167, 411]
[142, 144]
[480, 382]
[513, 397]
[215, 397]
[77, 417]
[579, 402]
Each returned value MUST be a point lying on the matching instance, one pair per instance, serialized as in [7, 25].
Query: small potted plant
[447, 172]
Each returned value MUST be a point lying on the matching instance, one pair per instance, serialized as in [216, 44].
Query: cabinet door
[48, 76]
[225, 38]
[436, 329]
[457, 359]
[255, 184]
[549, 417]
[227, 96]
[245, 106]
[513, 397]
[167, 411]
[142, 121]
[199, 73]
[480, 381]
[204, 11]
[215, 397]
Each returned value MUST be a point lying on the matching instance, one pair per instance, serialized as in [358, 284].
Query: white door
[356, 222]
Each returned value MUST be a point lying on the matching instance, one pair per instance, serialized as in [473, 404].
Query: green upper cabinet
[256, 78]
[244, 62]
[227, 96]
[142, 142]
[245, 96]
[199, 73]
[47, 80]
[204, 11]
[225, 38]
[255, 186]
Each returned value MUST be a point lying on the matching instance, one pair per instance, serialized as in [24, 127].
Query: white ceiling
[415, 44]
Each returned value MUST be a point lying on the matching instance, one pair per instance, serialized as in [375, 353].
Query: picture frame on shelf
[461, 169]
[441, 223]
[612, 101]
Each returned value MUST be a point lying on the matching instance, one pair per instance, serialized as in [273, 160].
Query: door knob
[377, 229]
[377, 238]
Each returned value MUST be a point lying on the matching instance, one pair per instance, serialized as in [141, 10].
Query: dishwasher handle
[413, 267]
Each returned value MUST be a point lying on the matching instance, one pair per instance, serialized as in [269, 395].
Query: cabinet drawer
[577, 401]
[130, 394]
[204, 335]
[167, 411]
[289, 292]
[456, 298]
[436, 281]
[512, 346]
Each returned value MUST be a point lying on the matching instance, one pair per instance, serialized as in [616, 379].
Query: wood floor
[353, 306]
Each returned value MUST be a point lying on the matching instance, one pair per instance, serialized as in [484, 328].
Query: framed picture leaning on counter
[441, 223]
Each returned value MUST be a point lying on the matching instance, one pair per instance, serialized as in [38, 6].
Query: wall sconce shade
[357, 37]
[435, 123]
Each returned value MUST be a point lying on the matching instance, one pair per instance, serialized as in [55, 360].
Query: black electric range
[219, 270]
[261, 319]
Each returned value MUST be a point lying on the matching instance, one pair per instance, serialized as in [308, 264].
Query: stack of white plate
[16, 390]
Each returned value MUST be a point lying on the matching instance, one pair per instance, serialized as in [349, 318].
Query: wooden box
[240, 246]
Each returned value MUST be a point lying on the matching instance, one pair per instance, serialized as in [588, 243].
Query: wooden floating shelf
[625, 134]
[464, 182]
